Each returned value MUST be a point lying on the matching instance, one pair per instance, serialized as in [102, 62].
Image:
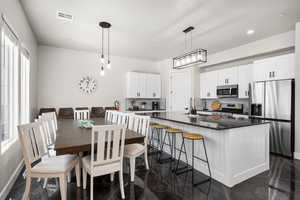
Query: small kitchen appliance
[155, 105]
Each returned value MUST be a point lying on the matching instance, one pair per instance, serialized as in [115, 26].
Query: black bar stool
[193, 137]
[151, 139]
[172, 132]
[158, 129]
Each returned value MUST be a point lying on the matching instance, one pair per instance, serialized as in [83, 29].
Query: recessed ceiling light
[250, 32]
[282, 14]
[65, 16]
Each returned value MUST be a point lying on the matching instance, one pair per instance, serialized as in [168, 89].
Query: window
[9, 88]
[24, 87]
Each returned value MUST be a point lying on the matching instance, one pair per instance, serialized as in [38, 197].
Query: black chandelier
[104, 25]
[192, 57]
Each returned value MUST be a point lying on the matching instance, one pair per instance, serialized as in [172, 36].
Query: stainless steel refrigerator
[275, 101]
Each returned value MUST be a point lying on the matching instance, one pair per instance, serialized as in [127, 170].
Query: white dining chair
[49, 136]
[81, 114]
[52, 116]
[108, 158]
[139, 124]
[34, 148]
[109, 115]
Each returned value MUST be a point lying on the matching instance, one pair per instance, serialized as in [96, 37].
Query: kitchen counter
[216, 122]
[237, 149]
[221, 112]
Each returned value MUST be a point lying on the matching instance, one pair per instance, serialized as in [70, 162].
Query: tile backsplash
[206, 103]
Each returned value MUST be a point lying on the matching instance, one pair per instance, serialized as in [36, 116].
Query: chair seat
[152, 123]
[56, 164]
[133, 149]
[160, 126]
[173, 130]
[105, 167]
[192, 136]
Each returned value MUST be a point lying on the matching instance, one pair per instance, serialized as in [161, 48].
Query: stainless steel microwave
[227, 91]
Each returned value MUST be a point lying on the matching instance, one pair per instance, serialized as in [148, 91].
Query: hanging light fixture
[104, 25]
[191, 58]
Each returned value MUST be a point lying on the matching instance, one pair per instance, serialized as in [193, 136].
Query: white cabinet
[228, 76]
[136, 85]
[244, 79]
[143, 85]
[153, 86]
[275, 68]
[208, 85]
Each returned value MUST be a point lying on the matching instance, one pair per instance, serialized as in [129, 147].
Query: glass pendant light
[102, 71]
[104, 25]
[108, 62]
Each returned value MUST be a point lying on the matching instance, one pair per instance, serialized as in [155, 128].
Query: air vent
[64, 16]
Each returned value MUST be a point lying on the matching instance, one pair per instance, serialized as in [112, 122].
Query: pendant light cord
[185, 42]
[108, 45]
[102, 40]
[191, 40]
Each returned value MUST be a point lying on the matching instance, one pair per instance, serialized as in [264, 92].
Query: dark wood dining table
[71, 139]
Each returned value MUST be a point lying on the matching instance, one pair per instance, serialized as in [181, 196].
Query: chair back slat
[139, 124]
[32, 142]
[81, 114]
[48, 122]
[52, 116]
[110, 143]
[109, 115]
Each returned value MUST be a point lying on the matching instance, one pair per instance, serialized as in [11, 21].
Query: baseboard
[5, 191]
[297, 155]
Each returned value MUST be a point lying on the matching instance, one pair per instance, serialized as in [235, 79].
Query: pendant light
[191, 58]
[104, 25]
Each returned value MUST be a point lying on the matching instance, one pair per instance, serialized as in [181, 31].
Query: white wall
[165, 68]
[61, 69]
[14, 14]
[297, 82]
[271, 44]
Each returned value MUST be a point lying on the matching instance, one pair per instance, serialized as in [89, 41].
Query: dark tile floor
[281, 182]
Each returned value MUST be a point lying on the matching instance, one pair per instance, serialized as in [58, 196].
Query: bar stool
[193, 137]
[172, 132]
[151, 139]
[158, 130]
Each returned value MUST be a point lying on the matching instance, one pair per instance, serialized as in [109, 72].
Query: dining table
[72, 139]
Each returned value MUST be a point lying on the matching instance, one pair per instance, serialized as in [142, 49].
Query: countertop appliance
[235, 108]
[227, 91]
[275, 101]
[155, 105]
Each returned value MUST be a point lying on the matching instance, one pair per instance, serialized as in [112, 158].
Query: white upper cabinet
[228, 76]
[136, 85]
[208, 85]
[244, 79]
[275, 68]
[143, 85]
[153, 84]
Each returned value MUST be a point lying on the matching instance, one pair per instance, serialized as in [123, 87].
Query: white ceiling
[152, 29]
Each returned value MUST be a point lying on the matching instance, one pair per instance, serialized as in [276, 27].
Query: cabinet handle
[273, 74]
[245, 93]
[270, 74]
[154, 94]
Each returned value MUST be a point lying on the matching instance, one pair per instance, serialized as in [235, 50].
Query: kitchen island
[238, 149]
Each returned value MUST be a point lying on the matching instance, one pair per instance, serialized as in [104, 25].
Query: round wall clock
[87, 85]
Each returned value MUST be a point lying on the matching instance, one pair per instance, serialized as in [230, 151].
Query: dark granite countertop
[215, 122]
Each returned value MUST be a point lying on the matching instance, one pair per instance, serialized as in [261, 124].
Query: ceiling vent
[65, 16]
